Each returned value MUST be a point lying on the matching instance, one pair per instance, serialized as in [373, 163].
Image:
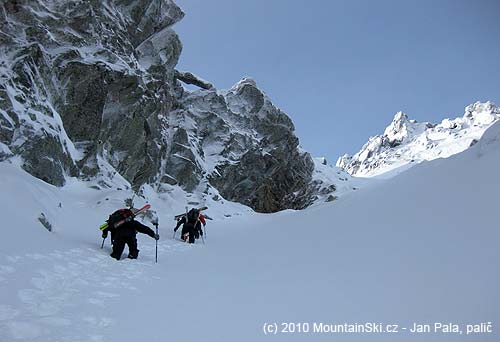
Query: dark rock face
[88, 83]
[73, 78]
[84, 100]
[259, 162]
[266, 183]
[45, 158]
[181, 161]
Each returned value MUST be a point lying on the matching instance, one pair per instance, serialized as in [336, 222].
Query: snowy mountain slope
[406, 142]
[82, 204]
[90, 90]
[341, 182]
[421, 247]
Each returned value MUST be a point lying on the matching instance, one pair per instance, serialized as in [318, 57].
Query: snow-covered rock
[88, 89]
[240, 143]
[406, 142]
[72, 84]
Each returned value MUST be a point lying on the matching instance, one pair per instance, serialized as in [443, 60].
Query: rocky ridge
[89, 90]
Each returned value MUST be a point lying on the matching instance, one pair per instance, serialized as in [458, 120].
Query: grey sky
[342, 69]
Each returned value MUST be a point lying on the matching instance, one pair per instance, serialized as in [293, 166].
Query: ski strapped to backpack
[178, 217]
[121, 216]
[192, 216]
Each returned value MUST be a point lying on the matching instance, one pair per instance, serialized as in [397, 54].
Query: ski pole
[156, 256]
[102, 245]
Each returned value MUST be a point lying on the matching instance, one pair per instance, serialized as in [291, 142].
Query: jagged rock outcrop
[82, 79]
[190, 78]
[89, 89]
[406, 142]
[253, 151]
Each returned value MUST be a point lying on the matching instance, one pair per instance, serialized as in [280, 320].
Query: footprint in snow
[7, 312]
[13, 259]
[58, 286]
[24, 330]
[6, 269]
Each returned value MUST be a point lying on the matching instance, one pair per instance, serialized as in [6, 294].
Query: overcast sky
[342, 69]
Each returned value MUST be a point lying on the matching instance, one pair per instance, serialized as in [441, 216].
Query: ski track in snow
[54, 298]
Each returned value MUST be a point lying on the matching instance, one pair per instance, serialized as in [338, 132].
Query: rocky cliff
[88, 89]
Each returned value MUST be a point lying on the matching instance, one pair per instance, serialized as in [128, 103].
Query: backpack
[119, 217]
[193, 215]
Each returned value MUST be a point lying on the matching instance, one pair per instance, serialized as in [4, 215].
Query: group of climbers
[124, 228]
[191, 228]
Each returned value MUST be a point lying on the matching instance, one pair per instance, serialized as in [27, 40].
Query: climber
[198, 231]
[125, 233]
[191, 228]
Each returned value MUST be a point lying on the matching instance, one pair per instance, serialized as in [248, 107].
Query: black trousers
[119, 245]
[188, 228]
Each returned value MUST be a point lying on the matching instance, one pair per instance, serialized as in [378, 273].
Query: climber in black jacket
[126, 234]
[191, 228]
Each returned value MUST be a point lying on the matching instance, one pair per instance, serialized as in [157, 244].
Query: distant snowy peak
[403, 129]
[481, 114]
[407, 142]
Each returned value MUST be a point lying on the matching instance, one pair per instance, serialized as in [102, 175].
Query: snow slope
[421, 247]
[406, 142]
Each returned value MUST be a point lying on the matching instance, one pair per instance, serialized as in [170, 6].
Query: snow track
[66, 295]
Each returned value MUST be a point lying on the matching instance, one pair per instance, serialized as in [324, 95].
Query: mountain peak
[406, 142]
[398, 130]
[399, 117]
[245, 81]
[482, 113]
